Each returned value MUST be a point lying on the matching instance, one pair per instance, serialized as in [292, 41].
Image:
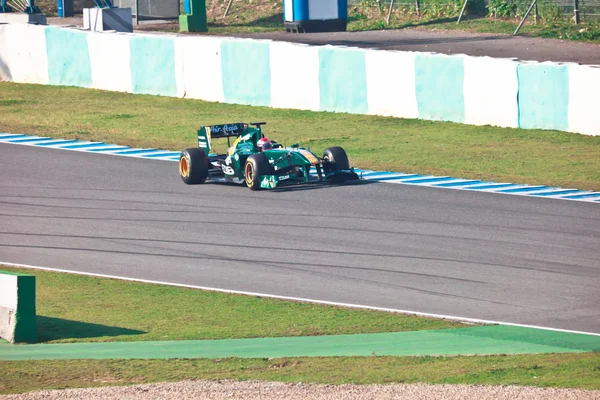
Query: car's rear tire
[193, 166]
[256, 166]
[335, 159]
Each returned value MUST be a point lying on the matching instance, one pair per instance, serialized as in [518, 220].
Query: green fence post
[194, 19]
[26, 330]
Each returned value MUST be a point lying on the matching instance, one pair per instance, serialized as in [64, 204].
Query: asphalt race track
[415, 39]
[514, 259]
[449, 42]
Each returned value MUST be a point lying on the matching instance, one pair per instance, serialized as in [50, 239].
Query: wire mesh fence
[547, 9]
[420, 8]
[578, 10]
[50, 6]
[151, 10]
[146, 9]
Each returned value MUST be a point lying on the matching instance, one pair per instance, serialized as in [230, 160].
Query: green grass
[403, 145]
[556, 29]
[435, 16]
[549, 370]
[74, 308]
[442, 15]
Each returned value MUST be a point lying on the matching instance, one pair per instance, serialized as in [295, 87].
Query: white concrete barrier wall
[391, 83]
[584, 99]
[8, 306]
[294, 76]
[199, 65]
[154, 65]
[246, 71]
[23, 53]
[8, 294]
[439, 87]
[17, 307]
[490, 92]
[343, 80]
[459, 88]
[110, 62]
[5, 75]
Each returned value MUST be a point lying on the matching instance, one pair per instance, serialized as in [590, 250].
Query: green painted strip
[543, 96]
[538, 336]
[25, 327]
[26, 294]
[469, 341]
[246, 72]
[12, 273]
[152, 62]
[68, 57]
[343, 80]
[439, 82]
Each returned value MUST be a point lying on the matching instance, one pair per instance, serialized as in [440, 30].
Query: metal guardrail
[24, 6]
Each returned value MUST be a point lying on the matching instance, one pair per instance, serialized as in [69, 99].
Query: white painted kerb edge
[331, 303]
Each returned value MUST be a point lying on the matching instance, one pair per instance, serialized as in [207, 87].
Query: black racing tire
[256, 166]
[335, 159]
[193, 166]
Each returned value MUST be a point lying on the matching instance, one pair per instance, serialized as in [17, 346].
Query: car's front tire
[256, 166]
[193, 166]
[335, 159]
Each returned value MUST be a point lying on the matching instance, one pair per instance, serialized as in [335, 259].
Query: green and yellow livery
[245, 162]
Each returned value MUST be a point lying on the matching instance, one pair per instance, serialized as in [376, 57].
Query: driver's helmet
[264, 144]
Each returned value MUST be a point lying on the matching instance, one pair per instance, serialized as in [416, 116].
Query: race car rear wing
[226, 130]
[207, 133]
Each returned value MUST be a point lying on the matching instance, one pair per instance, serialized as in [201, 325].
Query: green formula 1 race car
[258, 161]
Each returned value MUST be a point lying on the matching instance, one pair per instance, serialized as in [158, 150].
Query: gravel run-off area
[217, 390]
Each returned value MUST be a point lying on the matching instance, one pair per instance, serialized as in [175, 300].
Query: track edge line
[300, 299]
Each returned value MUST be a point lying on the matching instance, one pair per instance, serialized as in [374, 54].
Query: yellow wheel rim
[249, 174]
[184, 167]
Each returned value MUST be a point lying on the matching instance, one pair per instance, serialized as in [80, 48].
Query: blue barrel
[315, 15]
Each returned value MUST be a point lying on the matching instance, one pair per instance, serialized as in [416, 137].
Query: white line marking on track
[107, 146]
[27, 139]
[300, 299]
[455, 180]
[51, 144]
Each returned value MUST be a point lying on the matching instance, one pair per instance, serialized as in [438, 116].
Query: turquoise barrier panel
[68, 57]
[343, 80]
[246, 72]
[543, 96]
[439, 87]
[153, 66]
